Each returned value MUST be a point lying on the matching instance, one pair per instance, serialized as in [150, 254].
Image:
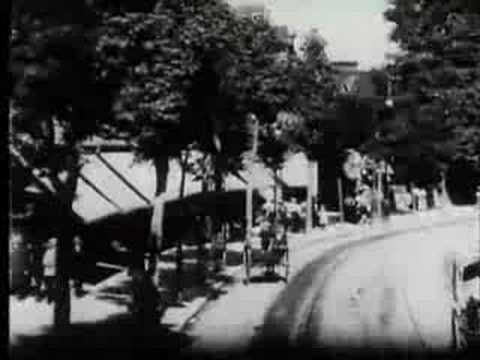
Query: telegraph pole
[381, 169]
[379, 192]
[251, 162]
[309, 213]
[340, 199]
[249, 200]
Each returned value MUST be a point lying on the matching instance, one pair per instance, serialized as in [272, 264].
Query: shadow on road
[117, 336]
[260, 351]
[267, 278]
[193, 281]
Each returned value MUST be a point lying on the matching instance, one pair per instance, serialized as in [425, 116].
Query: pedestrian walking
[315, 212]
[50, 268]
[19, 272]
[323, 217]
[37, 267]
[294, 210]
[78, 265]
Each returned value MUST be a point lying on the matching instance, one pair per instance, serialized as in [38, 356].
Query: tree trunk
[275, 193]
[340, 199]
[62, 196]
[161, 171]
[308, 220]
[62, 307]
[144, 291]
[62, 304]
[218, 238]
[179, 252]
[443, 188]
[184, 163]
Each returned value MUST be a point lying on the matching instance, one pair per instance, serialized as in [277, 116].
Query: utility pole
[340, 199]
[249, 206]
[389, 103]
[379, 191]
[249, 200]
[309, 220]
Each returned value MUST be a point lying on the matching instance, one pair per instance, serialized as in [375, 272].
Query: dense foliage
[169, 75]
[189, 73]
[439, 65]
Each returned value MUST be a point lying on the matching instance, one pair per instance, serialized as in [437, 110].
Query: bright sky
[353, 29]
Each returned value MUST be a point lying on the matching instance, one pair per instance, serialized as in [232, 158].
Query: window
[257, 16]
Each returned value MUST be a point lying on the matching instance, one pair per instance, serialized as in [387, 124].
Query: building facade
[254, 9]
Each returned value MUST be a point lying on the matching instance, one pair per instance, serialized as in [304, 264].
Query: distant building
[346, 75]
[254, 9]
[355, 82]
[258, 11]
[346, 66]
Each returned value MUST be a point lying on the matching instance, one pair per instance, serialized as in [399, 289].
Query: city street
[393, 293]
[225, 179]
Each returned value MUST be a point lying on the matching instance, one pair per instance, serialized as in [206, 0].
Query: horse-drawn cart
[272, 254]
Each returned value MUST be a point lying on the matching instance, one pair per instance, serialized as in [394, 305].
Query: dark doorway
[462, 180]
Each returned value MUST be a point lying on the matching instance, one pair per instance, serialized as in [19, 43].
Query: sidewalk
[335, 235]
[109, 299]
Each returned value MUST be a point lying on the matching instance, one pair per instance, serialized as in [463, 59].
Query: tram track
[298, 314]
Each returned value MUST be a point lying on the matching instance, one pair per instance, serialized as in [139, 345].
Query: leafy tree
[439, 65]
[314, 94]
[56, 102]
[301, 125]
[196, 70]
[314, 90]
[186, 74]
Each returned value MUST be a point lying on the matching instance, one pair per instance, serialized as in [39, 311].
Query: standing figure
[18, 265]
[78, 265]
[265, 230]
[37, 267]
[294, 210]
[50, 268]
[323, 217]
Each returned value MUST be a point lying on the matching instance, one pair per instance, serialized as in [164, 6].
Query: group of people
[290, 214]
[33, 267]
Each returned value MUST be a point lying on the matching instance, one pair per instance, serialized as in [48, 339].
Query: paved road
[394, 294]
[385, 294]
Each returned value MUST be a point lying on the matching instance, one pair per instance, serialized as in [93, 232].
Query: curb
[202, 304]
[189, 320]
[222, 284]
